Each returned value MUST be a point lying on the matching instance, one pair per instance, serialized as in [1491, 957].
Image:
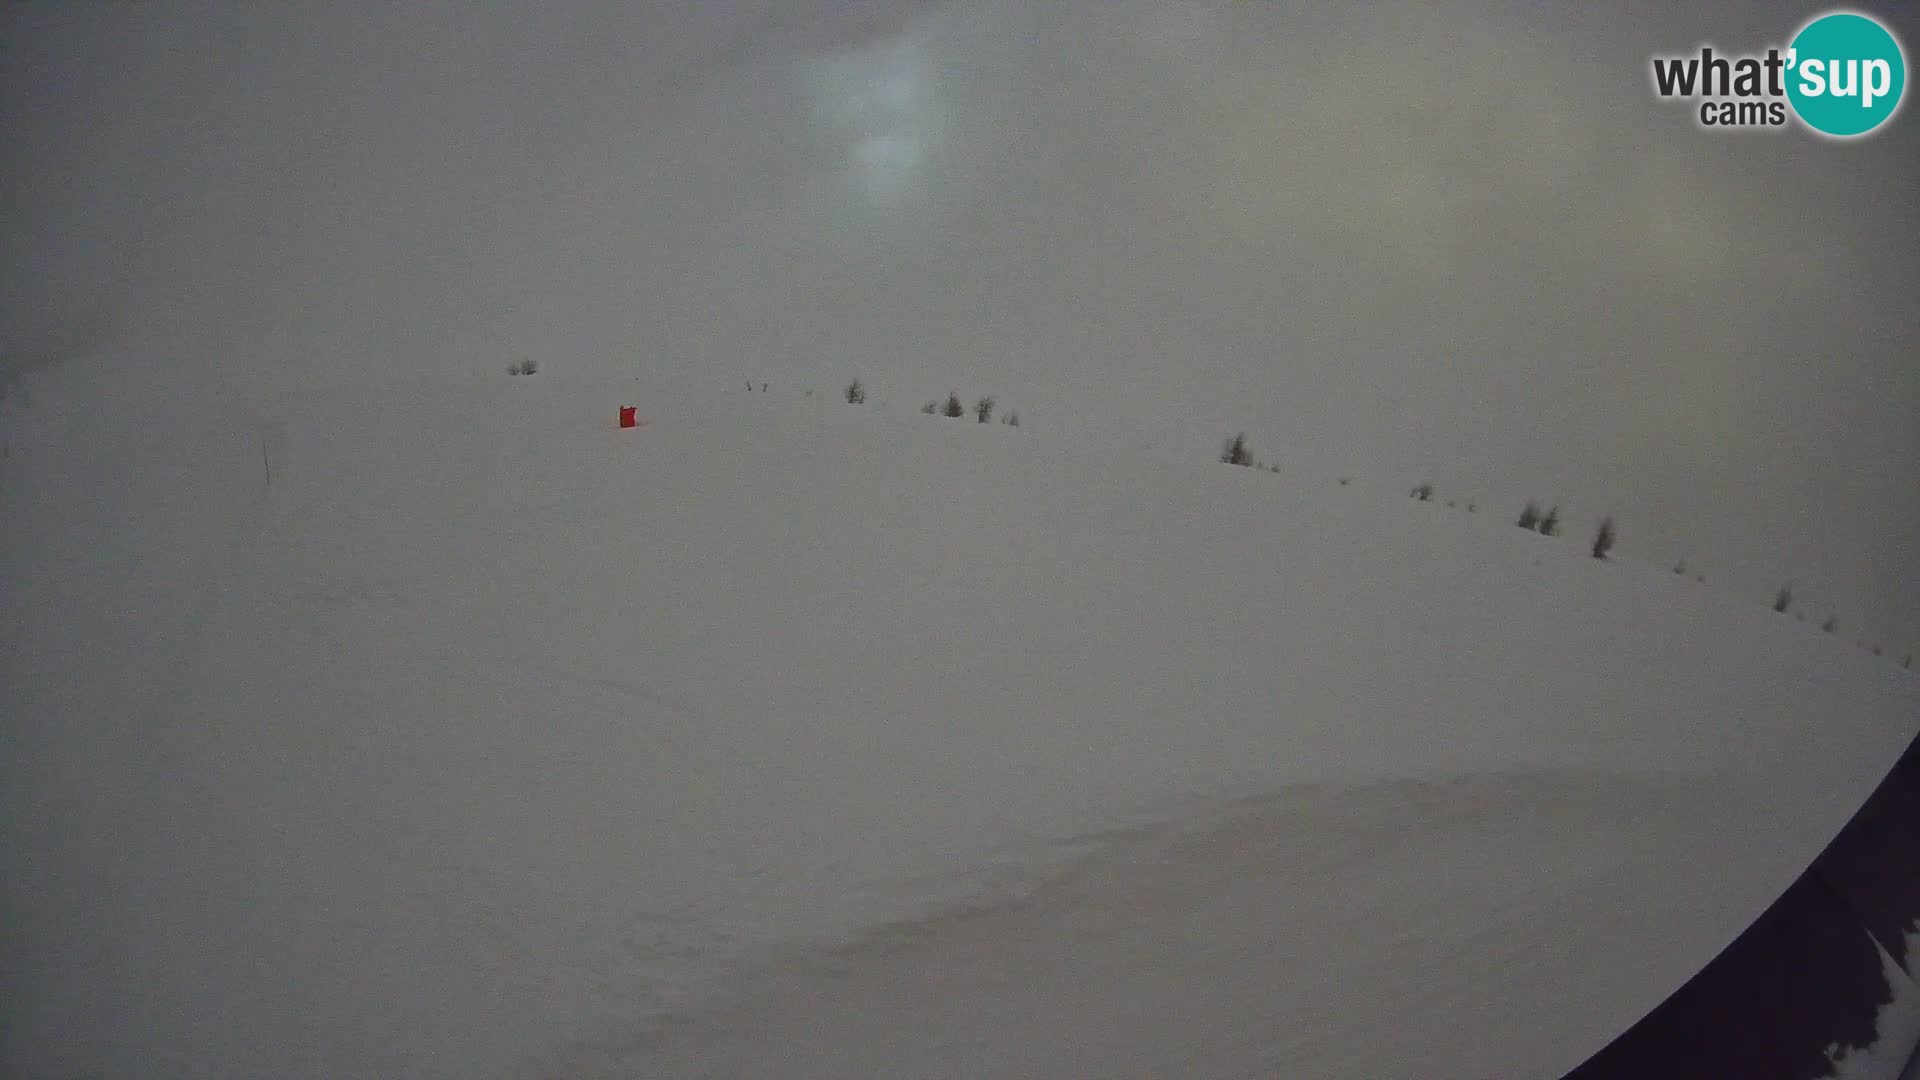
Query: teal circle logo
[1846, 74]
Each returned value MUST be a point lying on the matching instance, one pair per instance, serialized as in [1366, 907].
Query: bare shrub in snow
[983, 409]
[1423, 491]
[856, 393]
[1529, 516]
[930, 408]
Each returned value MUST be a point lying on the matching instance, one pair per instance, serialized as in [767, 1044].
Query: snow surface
[1897, 1028]
[784, 737]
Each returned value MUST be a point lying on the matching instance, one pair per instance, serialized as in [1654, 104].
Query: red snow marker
[626, 416]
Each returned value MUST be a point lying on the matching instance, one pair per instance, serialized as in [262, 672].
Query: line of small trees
[1548, 524]
[856, 394]
[982, 410]
[1235, 450]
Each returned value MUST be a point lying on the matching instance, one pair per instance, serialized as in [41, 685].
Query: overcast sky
[1461, 242]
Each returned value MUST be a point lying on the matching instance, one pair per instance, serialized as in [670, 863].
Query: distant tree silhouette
[984, 409]
[1234, 451]
[1680, 567]
[856, 393]
[1603, 540]
[1550, 525]
[1783, 599]
[1529, 516]
[954, 407]
[1832, 624]
[1012, 420]
[930, 408]
[1423, 491]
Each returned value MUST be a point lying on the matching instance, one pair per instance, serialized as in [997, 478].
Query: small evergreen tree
[954, 407]
[1235, 451]
[984, 409]
[1423, 491]
[1832, 624]
[1550, 525]
[1603, 540]
[1529, 516]
[856, 393]
[1783, 599]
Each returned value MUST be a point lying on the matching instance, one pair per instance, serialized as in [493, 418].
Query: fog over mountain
[1461, 243]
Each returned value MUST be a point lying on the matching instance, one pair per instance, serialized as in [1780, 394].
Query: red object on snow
[627, 418]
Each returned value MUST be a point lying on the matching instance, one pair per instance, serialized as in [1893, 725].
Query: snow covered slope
[780, 736]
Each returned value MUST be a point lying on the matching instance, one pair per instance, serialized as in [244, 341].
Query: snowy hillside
[448, 730]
